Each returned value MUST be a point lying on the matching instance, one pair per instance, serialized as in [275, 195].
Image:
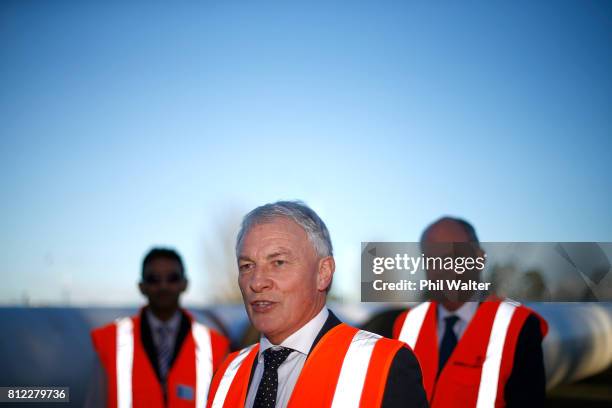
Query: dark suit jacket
[404, 384]
[526, 386]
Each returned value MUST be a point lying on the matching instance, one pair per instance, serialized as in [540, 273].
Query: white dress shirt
[289, 371]
[464, 313]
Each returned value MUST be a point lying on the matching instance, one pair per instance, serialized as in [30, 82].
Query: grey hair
[297, 211]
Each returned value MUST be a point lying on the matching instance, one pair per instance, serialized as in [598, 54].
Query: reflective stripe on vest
[204, 363]
[125, 360]
[413, 323]
[228, 377]
[492, 365]
[354, 370]
[353, 365]
[487, 391]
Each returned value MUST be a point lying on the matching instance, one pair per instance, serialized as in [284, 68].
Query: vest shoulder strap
[383, 354]
[125, 360]
[347, 368]
[203, 360]
[413, 322]
[231, 382]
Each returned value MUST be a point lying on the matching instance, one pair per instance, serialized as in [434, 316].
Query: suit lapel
[147, 342]
[183, 331]
[331, 322]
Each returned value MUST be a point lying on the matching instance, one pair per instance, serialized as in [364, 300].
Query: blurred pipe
[38, 346]
[579, 340]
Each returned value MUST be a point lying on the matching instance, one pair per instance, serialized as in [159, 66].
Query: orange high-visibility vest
[347, 368]
[477, 371]
[131, 378]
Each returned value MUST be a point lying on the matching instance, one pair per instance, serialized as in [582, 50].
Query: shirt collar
[171, 324]
[465, 312]
[300, 341]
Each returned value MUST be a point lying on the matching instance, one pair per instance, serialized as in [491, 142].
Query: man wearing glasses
[160, 357]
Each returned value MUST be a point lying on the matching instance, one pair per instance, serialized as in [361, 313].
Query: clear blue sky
[129, 125]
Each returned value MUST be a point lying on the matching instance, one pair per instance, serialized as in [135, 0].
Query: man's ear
[141, 287]
[184, 285]
[327, 266]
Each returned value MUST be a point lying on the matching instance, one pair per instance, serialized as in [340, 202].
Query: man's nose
[260, 280]
[164, 284]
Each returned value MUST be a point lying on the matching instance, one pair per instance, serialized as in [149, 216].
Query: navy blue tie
[268, 387]
[449, 340]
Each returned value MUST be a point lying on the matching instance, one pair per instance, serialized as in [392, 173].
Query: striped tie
[164, 353]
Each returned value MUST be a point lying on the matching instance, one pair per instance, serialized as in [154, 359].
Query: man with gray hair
[305, 356]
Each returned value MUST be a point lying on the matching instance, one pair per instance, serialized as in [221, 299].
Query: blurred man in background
[160, 357]
[472, 353]
[305, 357]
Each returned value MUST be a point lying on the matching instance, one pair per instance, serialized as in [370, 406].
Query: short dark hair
[167, 253]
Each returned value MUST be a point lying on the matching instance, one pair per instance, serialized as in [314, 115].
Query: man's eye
[245, 267]
[279, 262]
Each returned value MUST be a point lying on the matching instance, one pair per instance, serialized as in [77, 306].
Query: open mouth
[262, 306]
